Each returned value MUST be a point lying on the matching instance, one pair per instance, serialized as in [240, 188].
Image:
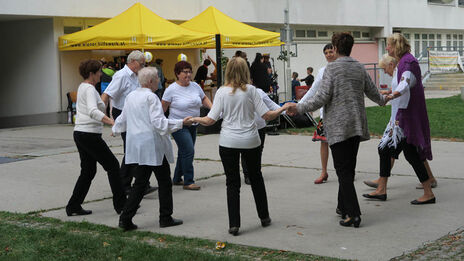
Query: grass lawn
[446, 117]
[32, 237]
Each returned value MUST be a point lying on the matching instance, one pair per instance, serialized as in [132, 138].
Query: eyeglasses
[187, 71]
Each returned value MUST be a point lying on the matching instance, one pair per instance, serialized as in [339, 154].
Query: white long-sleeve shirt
[238, 129]
[124, 82]
[407, 81]
[260, 122]
[147, 138]
[89, 109]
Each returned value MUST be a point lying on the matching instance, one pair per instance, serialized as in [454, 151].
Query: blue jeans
[185, 140]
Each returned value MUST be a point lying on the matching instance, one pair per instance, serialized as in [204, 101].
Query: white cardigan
[89, 109]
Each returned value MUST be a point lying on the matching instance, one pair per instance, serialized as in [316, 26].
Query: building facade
[37, 76]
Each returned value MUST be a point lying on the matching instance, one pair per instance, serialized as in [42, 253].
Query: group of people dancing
[339, 89]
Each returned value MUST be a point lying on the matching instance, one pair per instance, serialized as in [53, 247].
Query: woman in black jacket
[258, 73]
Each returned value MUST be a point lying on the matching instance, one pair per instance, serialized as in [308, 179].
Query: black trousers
[344, 157]
[142, 174]
[262, 136]
[411, 154]
[230, 161]
[124, 171]
[92, 149]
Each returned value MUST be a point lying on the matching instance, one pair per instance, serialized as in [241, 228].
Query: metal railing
[372, 69]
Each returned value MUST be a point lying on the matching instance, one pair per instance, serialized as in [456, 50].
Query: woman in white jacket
[148, 147]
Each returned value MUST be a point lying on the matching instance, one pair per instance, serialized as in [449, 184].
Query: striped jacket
[344, 84]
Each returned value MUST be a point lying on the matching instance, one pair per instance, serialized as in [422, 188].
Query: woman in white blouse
[238, 101]
[149, 147]
[184, 98]
[90, 116]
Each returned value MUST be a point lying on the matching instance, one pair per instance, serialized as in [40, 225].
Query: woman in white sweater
[90, 116]
[238, 101]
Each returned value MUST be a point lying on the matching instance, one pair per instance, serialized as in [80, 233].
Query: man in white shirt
[124, 82]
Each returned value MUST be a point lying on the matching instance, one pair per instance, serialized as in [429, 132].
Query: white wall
[374, 13]
[29, 82]
[419, 14]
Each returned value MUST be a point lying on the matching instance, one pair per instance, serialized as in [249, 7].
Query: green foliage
[32, 237]
[446, 117]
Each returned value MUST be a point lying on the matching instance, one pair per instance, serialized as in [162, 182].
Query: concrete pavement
[303, 214]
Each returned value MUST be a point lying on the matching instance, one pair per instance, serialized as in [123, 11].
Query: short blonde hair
[386, 60]
[399, 43]
[146, 74]
[237, 74]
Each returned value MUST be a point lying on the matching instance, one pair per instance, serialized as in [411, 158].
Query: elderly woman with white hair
[149, 147]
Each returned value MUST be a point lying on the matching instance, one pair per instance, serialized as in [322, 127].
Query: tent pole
[218, 60]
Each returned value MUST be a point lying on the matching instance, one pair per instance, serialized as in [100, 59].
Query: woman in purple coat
[411, 132]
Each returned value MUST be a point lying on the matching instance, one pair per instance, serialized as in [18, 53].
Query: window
[71, 29]
[417, 48]
[311, 33]
[461, 3]
[300, 33]
[322, 34]
[407, 36]
[441, 2]
[356, 34]
[461, 44]
[439, 42]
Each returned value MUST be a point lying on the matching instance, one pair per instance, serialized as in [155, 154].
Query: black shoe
[233, 231]
[80, 212]
[150, 189]
[266, 222]
[417, 202]
[171, 223]
[355, 221]
[382, 197]
[247, 181]
[126, 226]
[178, 183]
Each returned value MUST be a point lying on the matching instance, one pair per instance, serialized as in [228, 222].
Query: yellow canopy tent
[234, 34]
[229, 33]
[136, 28]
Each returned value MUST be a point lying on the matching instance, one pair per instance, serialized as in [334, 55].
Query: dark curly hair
[88, 66]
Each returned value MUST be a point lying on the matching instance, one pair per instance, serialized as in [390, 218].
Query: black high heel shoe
[355, 221]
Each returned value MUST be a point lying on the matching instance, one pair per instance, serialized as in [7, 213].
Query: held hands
[290, 107]
[188, 121]
[392, 96]
[386, 92]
